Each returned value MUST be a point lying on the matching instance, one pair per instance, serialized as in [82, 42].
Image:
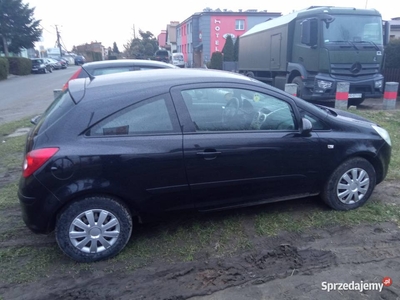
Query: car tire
[79, 235]
[45, 71]
[350, 185]
[51, 70]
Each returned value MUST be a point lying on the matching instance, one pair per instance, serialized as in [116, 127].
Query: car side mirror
[306, 126]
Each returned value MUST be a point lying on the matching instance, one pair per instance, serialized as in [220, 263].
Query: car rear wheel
[94, 228]
[350, 185]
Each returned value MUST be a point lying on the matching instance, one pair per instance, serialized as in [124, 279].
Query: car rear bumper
[38, 205]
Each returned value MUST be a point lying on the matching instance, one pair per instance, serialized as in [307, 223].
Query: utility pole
[58, 41]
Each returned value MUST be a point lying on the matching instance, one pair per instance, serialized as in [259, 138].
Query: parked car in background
[104, 67]
[178, 60]
[62, 62]
[162, 55]
[136, 145]
[41, 65]
[55, 64]
[79, 60]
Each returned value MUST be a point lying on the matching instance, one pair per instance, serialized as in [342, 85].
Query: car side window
[146, 117]
[231, 109]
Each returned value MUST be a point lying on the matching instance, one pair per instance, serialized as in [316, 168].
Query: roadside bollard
[291, 88]
[342, 95]
[390, 95]
[57, 92]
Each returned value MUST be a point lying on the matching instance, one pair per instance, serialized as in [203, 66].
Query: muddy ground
[286, 266]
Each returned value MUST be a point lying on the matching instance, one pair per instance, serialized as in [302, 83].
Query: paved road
[26, 96]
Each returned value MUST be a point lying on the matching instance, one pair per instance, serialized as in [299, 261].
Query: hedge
[20, 65]
[4, 68]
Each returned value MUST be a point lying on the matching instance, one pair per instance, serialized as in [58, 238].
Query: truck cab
[317, 48]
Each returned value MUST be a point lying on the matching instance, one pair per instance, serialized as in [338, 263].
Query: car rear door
[240, 163]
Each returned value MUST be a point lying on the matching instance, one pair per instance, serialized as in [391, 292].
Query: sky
[85, 21]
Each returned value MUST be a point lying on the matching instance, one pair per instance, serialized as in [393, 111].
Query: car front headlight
[323, 84]
[383, 133]
[42, 65]
[378, 84]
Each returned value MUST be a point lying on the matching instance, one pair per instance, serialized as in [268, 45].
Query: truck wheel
[350, 185]
[94, 228]
[300, 85]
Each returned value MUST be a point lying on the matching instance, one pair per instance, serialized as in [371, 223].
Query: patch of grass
[8, 128]
[26, 264]
[373, 212]
[390, 120]
[8, 196]
[12, 148]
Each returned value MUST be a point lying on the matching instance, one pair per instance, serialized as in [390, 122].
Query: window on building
[239, 25]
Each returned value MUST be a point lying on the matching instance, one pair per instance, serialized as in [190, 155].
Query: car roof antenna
[91, 77]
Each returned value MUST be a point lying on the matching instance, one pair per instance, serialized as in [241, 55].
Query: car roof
[150, 82]
[125, 62]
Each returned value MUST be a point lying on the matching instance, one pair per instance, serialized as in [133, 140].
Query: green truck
[316, 48]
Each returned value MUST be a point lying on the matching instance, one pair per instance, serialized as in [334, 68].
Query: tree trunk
[5, 46]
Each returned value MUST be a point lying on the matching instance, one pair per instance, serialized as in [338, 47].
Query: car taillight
[35, 159]
[74, 76]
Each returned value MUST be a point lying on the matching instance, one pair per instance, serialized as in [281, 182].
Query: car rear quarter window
[152, 116]
[59, 107]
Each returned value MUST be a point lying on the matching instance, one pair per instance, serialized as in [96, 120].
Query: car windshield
[360, 29]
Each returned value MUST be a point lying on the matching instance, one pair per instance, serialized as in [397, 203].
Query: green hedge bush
[392, 53]
[20, 65]
[4, 68]
[216, 61]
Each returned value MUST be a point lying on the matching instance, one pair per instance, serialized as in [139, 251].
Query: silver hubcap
[353, 185]
[94, 231]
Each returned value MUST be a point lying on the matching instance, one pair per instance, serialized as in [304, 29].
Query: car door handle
[209, 154]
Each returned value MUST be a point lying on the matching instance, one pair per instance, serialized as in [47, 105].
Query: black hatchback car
[138, 144]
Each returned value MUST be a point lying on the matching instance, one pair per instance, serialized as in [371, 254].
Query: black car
[79, 60]
[41, 65]
[162, 55]
[105, 67]
[136, 145]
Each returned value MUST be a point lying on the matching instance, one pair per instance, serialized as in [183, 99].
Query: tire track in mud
[310, 253]
[185, 280]
[337, 247]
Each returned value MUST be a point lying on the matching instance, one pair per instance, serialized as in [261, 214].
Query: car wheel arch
[129, 205]
[112, 238]
[333, 184]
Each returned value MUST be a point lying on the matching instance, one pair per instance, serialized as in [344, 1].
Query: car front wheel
[94, 228]
[350, 185]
